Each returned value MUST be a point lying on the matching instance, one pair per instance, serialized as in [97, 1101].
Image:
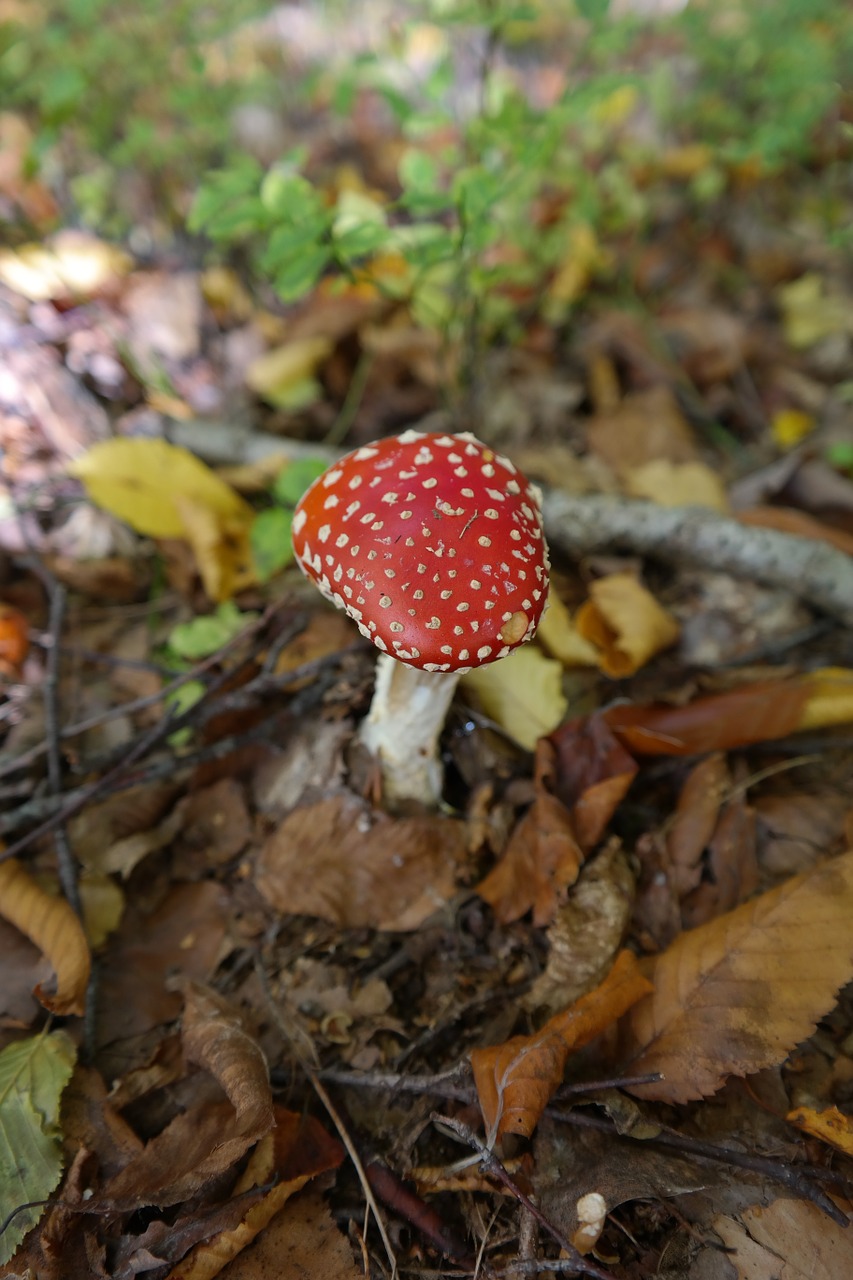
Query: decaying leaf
[285, 376]
[214, 1038]
[625, 623]
[515, 1080]
[586, 933]
[594, 772]
[558, 634]
[543, 856]
[302, 1242]
[645, 426]
[33, 1074]
[366, 870]
[736, 994]
[694, 820]
[296, 1151]
[756, 712]
[686, 484]
[52, 925]
[786, 1240]
[522, 694]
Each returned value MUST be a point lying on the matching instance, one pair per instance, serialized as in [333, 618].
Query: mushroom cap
[433, 544]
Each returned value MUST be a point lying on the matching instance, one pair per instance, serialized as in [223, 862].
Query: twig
[494, 1169]
[331, 1111]
[797, 1180]
[815, 571]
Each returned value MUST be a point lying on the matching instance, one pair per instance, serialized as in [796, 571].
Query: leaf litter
[627, 927]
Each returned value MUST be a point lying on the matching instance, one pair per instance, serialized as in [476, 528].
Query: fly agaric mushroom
[433, 543]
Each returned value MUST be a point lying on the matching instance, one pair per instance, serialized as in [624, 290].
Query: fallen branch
[815, 571]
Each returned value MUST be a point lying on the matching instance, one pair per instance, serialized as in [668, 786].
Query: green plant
[270, 535]
[124, 85]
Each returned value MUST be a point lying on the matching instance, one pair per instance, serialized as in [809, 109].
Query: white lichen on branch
[814, 571]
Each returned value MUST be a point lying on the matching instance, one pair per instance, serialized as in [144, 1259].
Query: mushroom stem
[402, 730]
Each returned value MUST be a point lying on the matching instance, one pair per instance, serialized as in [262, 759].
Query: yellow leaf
[140, 481]
[830, 698]
[221, 548]
[809, 313]
[790, 426]
[280, 376]
[584, 256]
[687, 161]
[831, 1125]
[626, 623]
[673, 484]
[558, 634]
[617, 107]
[522, 693]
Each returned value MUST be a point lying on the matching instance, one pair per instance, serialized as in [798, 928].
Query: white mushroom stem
[402, 730]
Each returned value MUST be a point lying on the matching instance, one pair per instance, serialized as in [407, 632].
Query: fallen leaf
[594, 774]
[789, 520]
[33, 1075]
[141, 482]
[52, 925]
[302, 1242]
[284, 377]
[758, 712]
[542, 858]
[810, 312]
[515, 1080]
[646, 426]
[367, 870]
[686, 484]
[71, 267]
[786, 1240]
[221, 546]
[103, 907]
[164, 310]
[790, 426]
[586, 933]
[692, 825]
[732, 864]
[558, 634]
[522, 693]
[830, 1125]
[736, 994]
[214, 1038]
[14, 641]
[625, 623]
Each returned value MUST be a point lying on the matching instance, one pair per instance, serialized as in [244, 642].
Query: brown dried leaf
[735, 995]
[542, 858]
[367, 870]
[53, 927]
[790, 520]
[688, 484]
[515, 1080]
[625, 623]
[647, 425]
[694, 821]
[303, 1242]
[787, 1240]
[215, 1039]
[594, 773]
[732, 866]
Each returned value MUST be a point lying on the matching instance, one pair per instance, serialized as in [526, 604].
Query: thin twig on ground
[814, 571]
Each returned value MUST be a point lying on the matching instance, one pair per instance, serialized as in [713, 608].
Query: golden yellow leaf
[789, 426]
[522, 693]
[53, 927]
[737, 994]
[686, 162]
[810, 313]
[830, 1125]
[672, 484]
[140, 481]
[829, 699]
[221, 548]
[557, 633]
[103, 906]
[626, 624]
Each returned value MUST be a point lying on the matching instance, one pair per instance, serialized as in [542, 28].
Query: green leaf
[179, 701]
[270, 542]
[418, 171]
[292, 481]
[33, 1074]
[204, 635]
[297, 277]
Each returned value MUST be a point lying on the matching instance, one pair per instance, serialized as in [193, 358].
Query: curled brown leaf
[51, 924]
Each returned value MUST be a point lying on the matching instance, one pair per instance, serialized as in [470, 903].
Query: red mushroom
[433, 543]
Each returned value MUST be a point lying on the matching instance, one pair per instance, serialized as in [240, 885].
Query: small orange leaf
[515, 1080]
[14, 640]
[736, 994]
[55, 929]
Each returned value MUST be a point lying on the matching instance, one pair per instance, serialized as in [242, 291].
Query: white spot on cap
[484, 541]
[430, 483]
[332, 501]
[299, 521]
[332, 477]
[484, 651]
[323, 533]
[385, 602]
[433, 624]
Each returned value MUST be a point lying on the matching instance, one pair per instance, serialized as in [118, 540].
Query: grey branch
[815, 571]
